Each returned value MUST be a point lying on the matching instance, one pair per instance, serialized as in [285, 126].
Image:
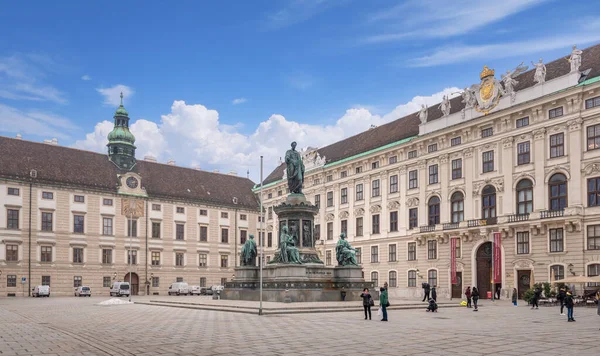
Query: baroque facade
[66, 218]
[520, 156]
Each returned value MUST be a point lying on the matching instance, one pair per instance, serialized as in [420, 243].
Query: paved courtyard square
[73, 326]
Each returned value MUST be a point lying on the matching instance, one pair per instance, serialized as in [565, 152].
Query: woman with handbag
[368, 302]
[383, 303]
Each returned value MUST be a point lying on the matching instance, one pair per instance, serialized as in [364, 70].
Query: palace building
[71, 218]
[519, 156]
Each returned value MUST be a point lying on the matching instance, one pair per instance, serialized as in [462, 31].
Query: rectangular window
[523, 122]
[375, 220]
[329, 178]
[180, 210]
[593, 137]
[557, 145]
[593, 237]
[358, 170]
[412, 251]
[358, 255]
[203, 212]
[374, 254]
[556, 112]
[48, 195]
[179, 279]
[592, 103]
[224, 215]
[155, 258]
[393, 278]
[375, 188]
[556, 240]
[392, 159]
[433, 174]
[107, 226]
[202, 281]
[179, 259]
[179, 231]
[224, 260]
[13, 191]
[455, 141]
[412, 154]
[432, 277]
[155, 282]
[344, 196]
[243, 236]
[457, 168]
[79, 199]
[344, 226]
[46, 221]
[203, 233]
[156, 207]
[132, 257]
[46, 280]
[359, 192]
[279, 193]
[431, 249]
[317, 231]
[12, 219]
[106, 282]
[413, 218]
[593, 191]
[269, 239]
[318, 200]
[77, 255]
[343, 174]
[155, 230]
[243, 217]
[225, 236]
[359, 226]
[393, 221]
[412, 278]
[523, 153]
[107, 202]
[78, 224]
[375, 165]
[392, 253]
[131, 228]
[488, 161]
[46, 255]
[270, 213]
[77, 281]
[329, 231]
[12, 253]
[203, 260]
[328, 258]
[329, 199]
[487, 132]
[106, 256]
[432, 148]
[393, 184]
[413, 179]
[522, 243]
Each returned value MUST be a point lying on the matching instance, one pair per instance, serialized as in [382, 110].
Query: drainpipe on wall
[29, 262]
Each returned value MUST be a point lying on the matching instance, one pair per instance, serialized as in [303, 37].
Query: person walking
[536, 298]
[562, 294]
[515, 296]
[434, 293]
[426, 290]
[367, 302]
[468, 295]
[569, 303]
[383, 303]
[475, 296]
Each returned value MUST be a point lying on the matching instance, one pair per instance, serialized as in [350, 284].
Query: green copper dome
[121, 111]
[121, 134]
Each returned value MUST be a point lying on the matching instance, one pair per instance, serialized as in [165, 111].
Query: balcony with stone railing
[450, 226]
[427, 228]
[518, 217]
[482, 222]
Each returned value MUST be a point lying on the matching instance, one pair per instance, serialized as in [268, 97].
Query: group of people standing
[472, 295]
[368, 302]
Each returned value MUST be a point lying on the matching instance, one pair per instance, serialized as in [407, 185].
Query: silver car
[83, 291]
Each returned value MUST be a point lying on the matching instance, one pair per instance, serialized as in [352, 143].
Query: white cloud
[297, 11]
[193, 134]
[34, 122]
[86, 77]
[112, 95]
[238, 101]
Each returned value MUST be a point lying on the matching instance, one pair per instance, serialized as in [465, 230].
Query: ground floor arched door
[135, 283]
[484, 269]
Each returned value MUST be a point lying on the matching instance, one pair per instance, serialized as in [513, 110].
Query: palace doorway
[457, 288]
[523, 282]
[135, 283]
[484, 269]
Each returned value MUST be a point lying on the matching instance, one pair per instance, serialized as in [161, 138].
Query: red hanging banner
[497, 245]
[453, 260]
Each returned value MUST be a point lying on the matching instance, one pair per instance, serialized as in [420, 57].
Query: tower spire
[121, 98]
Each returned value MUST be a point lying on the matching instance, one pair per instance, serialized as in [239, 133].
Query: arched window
[375, 278]
[557, 272]
[458, 207]
[524, 197]
[432, 277]
[593, 270]
[558, 191]
[434, 210]
[393, 279]
[488, 202]
[412, 278]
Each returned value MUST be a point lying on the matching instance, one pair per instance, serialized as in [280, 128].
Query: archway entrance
[484, 269]
[135, 283]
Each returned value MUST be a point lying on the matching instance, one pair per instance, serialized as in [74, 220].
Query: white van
[179, 288]
[194, 290]
[120, 289]
[83, 291]
[41, 291]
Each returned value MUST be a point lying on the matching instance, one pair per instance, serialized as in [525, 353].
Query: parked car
[41, 291]
[217, 288]
[178, 288]
[120, 289]
[194, 290]
[206, 291]
[83, 291]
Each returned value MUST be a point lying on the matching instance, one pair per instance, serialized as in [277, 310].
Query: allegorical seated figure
[287, 248]
[345, 253]
[249, 252]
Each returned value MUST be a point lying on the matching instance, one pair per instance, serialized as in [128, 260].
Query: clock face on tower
[132, 182]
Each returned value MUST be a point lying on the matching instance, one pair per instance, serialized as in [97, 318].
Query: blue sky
[217, 84]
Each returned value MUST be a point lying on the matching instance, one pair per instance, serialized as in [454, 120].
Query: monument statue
[510, 82]
[445, 106]
[423, 114]
[295, 170]
[540, 72]
[344, 253]
[468, 98]
[575, 59]
[306, 235]
[288, 251]
[249, 252]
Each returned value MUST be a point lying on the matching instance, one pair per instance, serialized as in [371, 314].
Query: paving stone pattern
[76, 326]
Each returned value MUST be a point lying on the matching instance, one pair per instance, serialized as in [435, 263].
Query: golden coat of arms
[488, 92]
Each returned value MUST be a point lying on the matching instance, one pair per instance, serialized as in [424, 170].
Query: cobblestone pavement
[76, 326]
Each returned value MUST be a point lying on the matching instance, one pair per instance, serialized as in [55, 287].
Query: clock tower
[121, 148]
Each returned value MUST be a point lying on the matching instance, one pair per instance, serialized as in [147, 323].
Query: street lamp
[131, 208]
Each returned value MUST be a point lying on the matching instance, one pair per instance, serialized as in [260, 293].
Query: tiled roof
[88, 170]
[408, 125]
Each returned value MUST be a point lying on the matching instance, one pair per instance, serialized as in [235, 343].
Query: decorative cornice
[359, 212]
[344, 215]
[468, 152]
[575, 124]
[329, 217]
[375, 209]
[591, 168]
[411, 202]
[539, 133]
[443, 158]
[393, 205]
[508, 142]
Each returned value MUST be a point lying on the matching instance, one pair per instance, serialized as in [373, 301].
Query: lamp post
[260, 240]
[131, 209]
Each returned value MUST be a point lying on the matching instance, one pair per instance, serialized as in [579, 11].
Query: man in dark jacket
[569, 303]
[537, 295]
[426, 290]
[434, 294]
[562, 294]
